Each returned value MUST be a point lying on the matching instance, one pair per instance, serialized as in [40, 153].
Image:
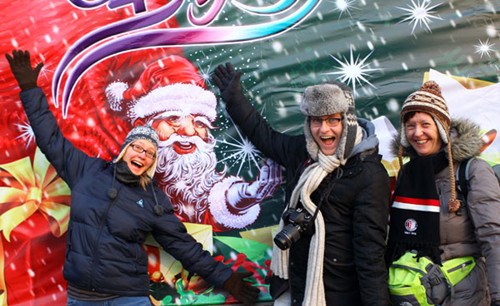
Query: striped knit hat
[428, 99]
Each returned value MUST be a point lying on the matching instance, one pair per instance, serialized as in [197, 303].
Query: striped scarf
[415, 209]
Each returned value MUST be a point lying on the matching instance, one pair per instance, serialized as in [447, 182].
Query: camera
[297, 221]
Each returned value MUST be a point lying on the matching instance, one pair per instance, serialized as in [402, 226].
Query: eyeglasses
[137, 148]
[330, 121]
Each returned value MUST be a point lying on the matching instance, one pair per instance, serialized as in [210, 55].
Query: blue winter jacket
[105, 236]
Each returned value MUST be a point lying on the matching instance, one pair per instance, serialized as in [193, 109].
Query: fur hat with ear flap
[428, 99]
[140, 132]
[328, 99]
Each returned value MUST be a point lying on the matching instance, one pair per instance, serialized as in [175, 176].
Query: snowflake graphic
[420, 14]
[484, 48]
[353, 70]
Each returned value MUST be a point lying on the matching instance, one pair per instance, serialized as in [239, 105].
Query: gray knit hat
[327, 99]
[140, 132]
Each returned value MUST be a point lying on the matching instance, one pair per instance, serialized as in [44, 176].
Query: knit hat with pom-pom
[428, 99]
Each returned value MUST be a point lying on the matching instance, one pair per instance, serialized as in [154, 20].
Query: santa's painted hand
[20, 65]
[243, 195]
[228, 81]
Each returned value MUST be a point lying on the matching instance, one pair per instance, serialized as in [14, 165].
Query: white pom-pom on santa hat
[114, 94]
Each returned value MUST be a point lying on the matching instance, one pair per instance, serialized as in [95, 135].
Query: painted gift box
[34, 215]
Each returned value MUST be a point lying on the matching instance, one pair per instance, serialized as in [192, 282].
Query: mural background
[383, 49]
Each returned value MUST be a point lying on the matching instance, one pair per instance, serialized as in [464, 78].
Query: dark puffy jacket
[105, 236]
[355, 210]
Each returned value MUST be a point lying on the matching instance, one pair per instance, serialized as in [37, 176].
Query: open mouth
[183, 147]
[135, 166]
[328, 140]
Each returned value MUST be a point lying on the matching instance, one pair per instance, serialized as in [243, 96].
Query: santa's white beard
[188, 178]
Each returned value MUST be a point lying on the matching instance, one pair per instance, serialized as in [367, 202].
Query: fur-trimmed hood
[465, 140]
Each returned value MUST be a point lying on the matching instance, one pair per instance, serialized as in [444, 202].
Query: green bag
[423, 283]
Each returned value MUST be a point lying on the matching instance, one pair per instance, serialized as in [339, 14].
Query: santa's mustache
[202, 145]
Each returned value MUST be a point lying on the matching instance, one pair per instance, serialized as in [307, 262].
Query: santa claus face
[182, 125]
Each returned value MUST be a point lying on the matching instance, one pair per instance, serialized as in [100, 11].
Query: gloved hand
[240, 289]
[20, 64]
[228, 81]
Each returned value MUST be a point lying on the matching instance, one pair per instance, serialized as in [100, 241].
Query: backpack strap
[462, 177]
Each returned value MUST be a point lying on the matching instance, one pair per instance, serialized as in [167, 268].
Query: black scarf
[415, 209]
[124, 175]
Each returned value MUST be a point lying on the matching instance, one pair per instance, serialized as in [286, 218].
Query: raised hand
[228, 81]
[20, 65]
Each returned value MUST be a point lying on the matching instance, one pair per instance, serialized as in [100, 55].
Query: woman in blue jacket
[114, 206]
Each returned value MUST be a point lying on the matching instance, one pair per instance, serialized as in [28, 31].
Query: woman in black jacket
[331, 251]
[114, 206]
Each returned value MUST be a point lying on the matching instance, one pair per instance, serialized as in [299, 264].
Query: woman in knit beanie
[115, 206]
[429, 216]
[330, 245]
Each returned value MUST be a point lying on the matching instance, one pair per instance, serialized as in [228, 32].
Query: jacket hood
[465, 140]
[370, 140]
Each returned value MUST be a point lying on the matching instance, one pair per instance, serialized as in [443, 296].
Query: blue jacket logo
[140, 203]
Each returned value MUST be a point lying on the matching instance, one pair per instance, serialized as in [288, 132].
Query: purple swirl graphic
[163, 38]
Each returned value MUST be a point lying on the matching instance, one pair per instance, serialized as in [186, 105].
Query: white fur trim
[114, 94]
[218, 206]
[187, 98]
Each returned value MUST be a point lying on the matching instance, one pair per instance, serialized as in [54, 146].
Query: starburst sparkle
[353, 70]
[344, 6]
[484, 48]
[420, 14]
[26, 133]
[241, 150]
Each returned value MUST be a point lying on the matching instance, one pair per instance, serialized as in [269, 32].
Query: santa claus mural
[171, 96]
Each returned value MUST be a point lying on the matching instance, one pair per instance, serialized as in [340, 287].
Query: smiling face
[422, 134]
[184, 126]
[326, 131]
[138, 156]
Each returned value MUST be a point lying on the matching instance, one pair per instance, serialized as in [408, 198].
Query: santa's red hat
[169, 84]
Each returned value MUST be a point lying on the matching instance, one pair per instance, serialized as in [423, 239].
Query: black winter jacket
[355, 209]
[105, 236]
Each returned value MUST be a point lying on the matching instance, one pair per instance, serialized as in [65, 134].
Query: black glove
[20, 64]
[228, 82]
[240, 289]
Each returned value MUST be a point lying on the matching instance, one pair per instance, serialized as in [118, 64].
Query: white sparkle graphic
[354, 70]
[205, 74]
[344, 6]
[26, 133]
[420, 14]
[242, 150]
[484, 48]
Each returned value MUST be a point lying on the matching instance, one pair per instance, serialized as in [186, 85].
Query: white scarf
[308, 182]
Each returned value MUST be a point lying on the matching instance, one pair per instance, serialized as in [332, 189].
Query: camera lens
[287, 236]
